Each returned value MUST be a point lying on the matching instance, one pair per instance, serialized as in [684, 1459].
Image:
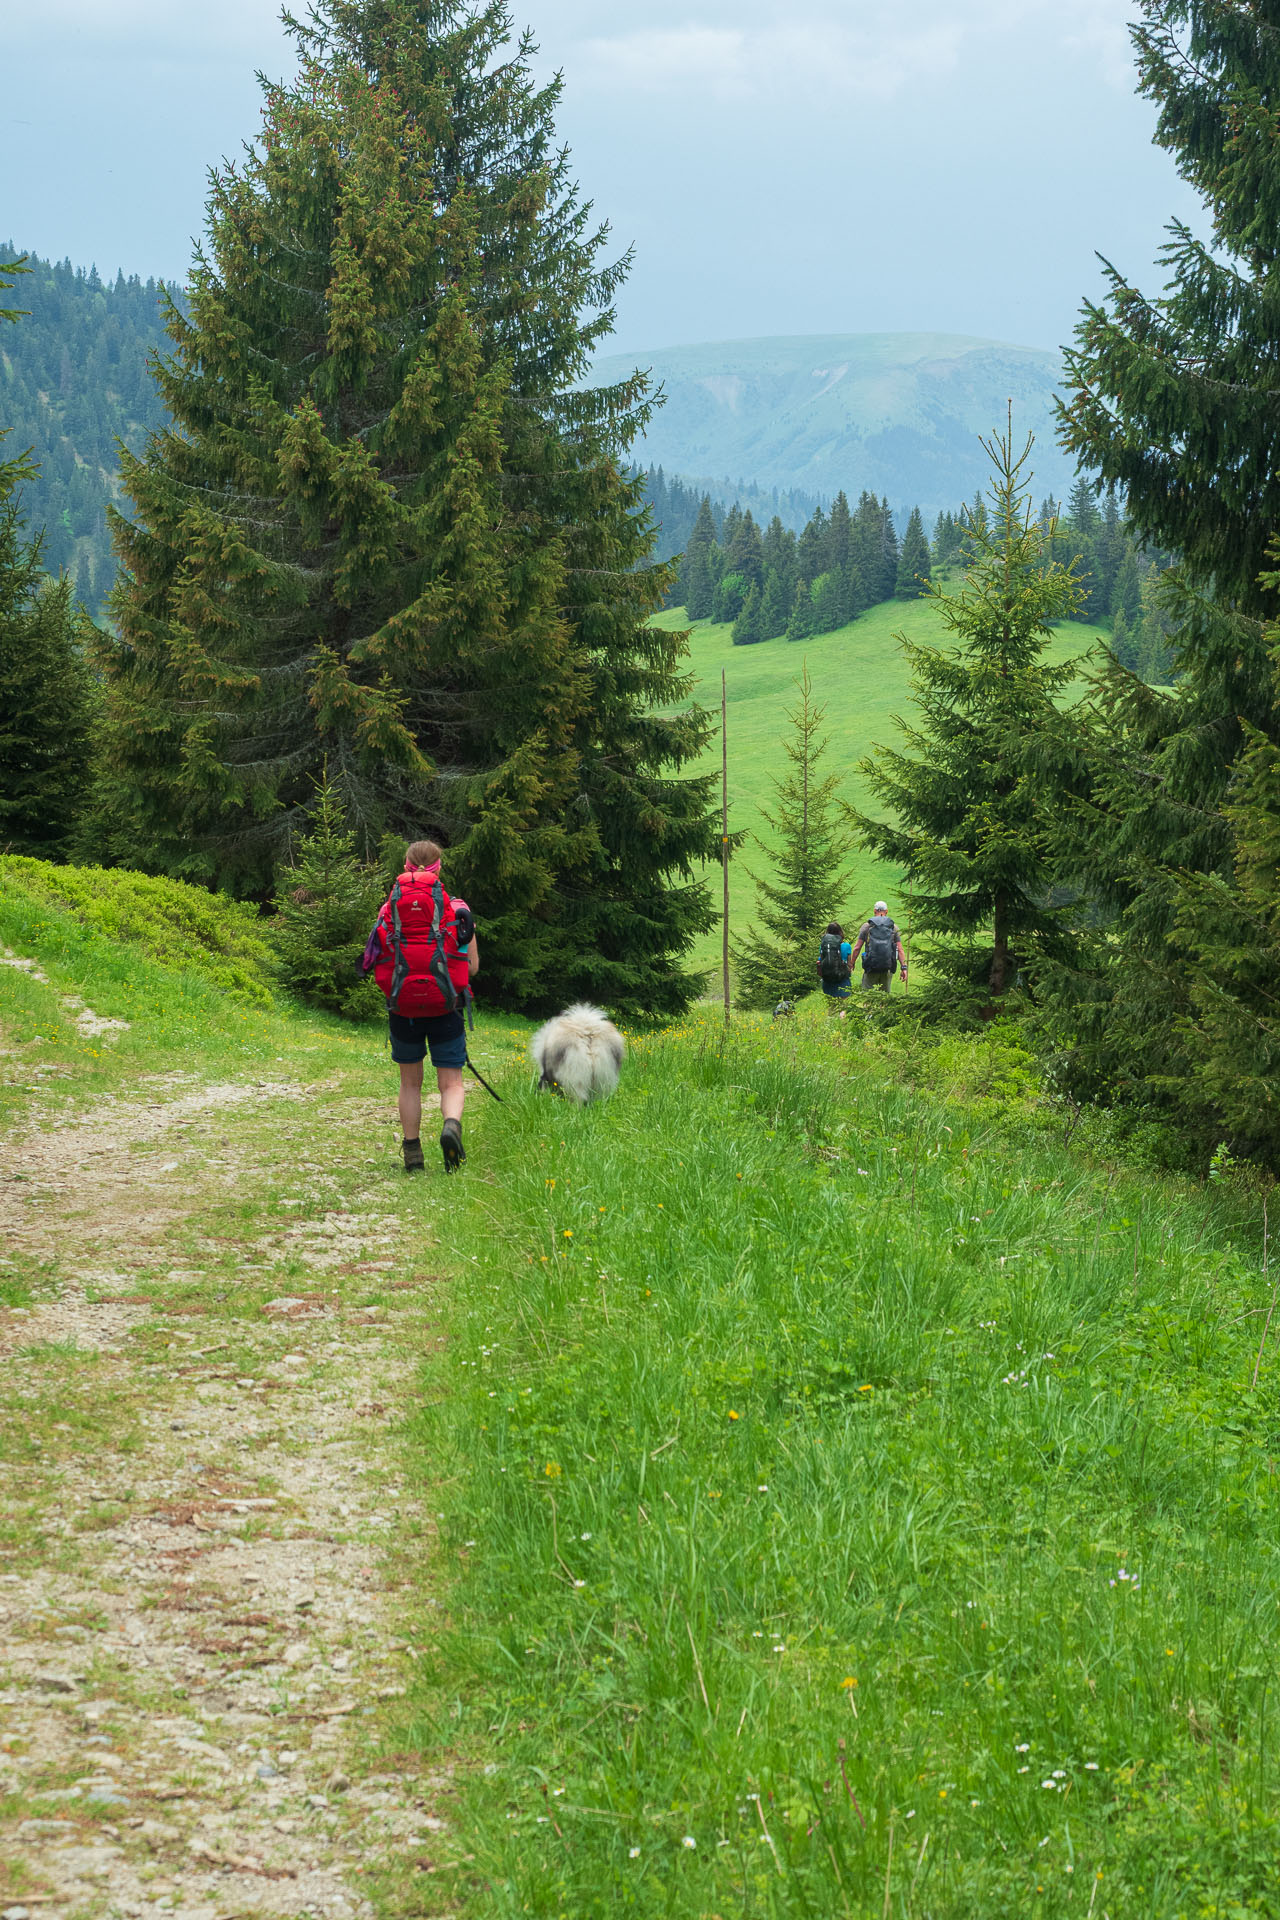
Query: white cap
[881, 906]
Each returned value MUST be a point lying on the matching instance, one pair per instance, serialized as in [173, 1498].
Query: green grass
[857, 1508]
[814, 1358]
[860, 677]
[169, 921]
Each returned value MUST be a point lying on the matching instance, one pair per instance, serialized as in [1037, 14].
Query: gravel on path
[201, 1551]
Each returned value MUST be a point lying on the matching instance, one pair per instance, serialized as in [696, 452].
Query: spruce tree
[800, 622]
[390, 530]
[1110, 544]
[1169, 400]
[778, 551]
[856, 597]
[775, 606]
[1125, 641]
[743, 551]
[747, 628]
[1126, 595]
[696, 584]
[45, 695]
[874, 547]
[1233, 1069]
[914, 572]
[828, 608]
[839, 534]
[326, 902]
[1082, 507]
[886, 582]
[968, 800]
[947, 535]
[780, 958]
[811, 548]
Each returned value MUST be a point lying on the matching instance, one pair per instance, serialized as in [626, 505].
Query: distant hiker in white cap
[880, 946]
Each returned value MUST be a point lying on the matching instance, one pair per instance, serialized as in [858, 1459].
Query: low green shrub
[177, 924]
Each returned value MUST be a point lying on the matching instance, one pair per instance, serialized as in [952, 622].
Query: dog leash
[474, 1070]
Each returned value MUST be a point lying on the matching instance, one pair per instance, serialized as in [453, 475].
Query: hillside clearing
[860, 677]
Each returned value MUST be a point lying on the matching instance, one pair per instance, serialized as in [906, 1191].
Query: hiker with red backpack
[880, 945]
[423, 954]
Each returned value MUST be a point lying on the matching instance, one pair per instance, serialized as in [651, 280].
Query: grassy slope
[859, 1506]
[783, 1373]
[860, 676]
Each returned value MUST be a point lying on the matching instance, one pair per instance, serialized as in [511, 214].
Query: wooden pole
[911, 891]
[724, 831]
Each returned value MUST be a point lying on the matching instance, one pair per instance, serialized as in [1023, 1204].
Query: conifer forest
[827, 1468]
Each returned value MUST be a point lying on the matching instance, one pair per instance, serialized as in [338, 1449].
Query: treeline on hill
[75, 379]
[675, 503]
[1119, 573]
[779, 582]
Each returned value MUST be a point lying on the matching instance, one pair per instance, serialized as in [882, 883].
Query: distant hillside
[896, 413]
[73, 379]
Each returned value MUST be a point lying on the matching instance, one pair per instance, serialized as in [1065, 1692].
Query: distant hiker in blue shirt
[834, 964]
[880, 946]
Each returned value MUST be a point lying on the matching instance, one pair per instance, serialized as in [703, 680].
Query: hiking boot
[413, 1160]
[451, 1145]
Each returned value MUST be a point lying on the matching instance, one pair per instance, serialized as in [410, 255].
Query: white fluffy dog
[578, 1054]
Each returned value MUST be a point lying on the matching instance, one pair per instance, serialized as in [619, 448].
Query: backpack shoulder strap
[400, 971]
[438, 965]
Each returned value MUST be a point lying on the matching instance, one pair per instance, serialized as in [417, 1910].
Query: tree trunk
[1001, 964]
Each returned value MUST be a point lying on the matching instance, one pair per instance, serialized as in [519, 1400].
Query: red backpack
[424, 968]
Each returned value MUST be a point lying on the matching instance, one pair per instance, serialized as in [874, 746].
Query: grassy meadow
[860, 676]
[859, 1503]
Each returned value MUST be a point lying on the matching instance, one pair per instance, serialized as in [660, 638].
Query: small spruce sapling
[779, 961]
[326, 903]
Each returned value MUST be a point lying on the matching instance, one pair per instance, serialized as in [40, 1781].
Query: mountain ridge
[899, 414]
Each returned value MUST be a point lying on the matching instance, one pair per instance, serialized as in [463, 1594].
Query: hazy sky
[782, 166]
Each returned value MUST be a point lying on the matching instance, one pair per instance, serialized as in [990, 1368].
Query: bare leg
[411, 1099]
[449, 1081]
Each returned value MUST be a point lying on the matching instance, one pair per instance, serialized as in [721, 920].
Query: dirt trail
[199, 1552]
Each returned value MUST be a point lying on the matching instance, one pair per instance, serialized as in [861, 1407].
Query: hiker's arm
[857, 950]
[473, 957]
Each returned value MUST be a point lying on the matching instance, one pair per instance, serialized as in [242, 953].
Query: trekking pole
[474, 1070]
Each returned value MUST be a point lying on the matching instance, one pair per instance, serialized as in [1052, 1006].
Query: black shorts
[444, 1035]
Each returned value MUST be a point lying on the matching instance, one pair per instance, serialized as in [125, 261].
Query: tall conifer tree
[775, 606]
[747, 628]
[967, 800]
[697, 586]
[887, 573]
[913, 562]
[743, 551]
[389, 530]
[839, 534]
[1173, 400]
[800, 622]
